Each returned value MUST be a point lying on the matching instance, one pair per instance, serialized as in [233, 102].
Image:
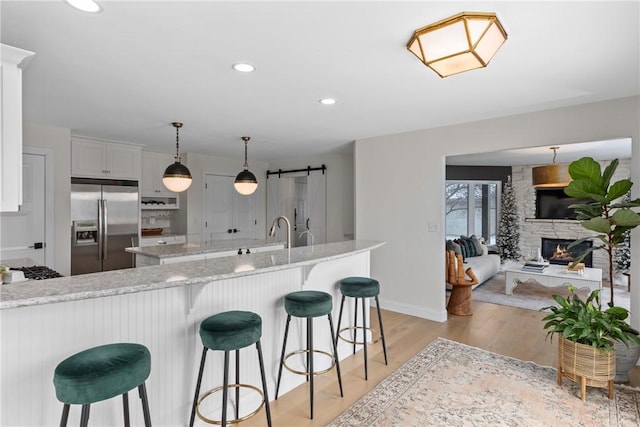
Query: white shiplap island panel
[43, 322]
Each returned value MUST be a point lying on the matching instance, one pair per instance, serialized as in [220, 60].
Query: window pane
[456, 202]
[477, 216]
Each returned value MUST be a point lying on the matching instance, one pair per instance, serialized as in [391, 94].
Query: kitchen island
[169, 254]
[161, 307]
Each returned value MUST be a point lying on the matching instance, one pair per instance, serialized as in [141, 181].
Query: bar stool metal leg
[264, 383]
[284, 346]
[355, 323]
[365, 339]
[310, 360]
[384, 344]
[225, 390]
[335, 353]
[198, 384]
[340, 318]
[125, 409]
[65, 415]
[84, 417]
[142, 392]
[237, 382]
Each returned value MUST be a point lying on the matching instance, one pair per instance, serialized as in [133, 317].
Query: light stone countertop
[183, 249]
[131, 280]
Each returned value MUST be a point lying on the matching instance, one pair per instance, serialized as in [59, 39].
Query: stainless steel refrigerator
[104, 219]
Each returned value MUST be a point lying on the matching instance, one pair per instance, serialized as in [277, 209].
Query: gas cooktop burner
[38, 272]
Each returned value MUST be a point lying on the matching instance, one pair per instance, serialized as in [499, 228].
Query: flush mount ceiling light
[462, 42]
[246, 182]
[177, 177]
[244, 68]
[85, 5]
[553, 175]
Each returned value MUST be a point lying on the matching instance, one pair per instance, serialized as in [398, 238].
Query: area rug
[533, 296]
[452, 384]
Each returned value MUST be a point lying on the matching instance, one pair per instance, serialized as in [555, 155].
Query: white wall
[339, 191]
[201, 164]
[58, 141]
[398, 207]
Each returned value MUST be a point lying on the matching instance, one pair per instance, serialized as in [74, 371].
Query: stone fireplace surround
[532, 230]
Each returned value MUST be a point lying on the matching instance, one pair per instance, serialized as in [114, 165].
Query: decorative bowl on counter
[151, 232]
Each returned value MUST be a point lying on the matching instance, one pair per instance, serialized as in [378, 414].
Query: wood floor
[506, 330]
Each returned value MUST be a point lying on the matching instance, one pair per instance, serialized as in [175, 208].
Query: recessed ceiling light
[85, 5]
[244, 68]
[327, 101]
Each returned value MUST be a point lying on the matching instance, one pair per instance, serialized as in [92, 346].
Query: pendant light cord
[246, 163]
[177, 125]
[554, 154]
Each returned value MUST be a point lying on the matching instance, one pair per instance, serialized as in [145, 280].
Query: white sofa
[484, 267]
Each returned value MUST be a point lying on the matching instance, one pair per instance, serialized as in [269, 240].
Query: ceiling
[126, 73]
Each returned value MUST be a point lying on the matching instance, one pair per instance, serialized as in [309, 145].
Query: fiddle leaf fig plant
[604, 214]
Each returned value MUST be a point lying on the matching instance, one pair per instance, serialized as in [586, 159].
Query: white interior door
[22, 233]
[301, 198]
[227, 214]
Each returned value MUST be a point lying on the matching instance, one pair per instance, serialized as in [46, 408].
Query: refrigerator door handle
[100, 225]
[105, 220]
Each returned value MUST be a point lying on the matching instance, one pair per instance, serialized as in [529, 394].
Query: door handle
[235, 230]
[229, 231]
[38, 245]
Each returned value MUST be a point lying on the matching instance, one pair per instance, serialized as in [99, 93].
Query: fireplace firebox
[555, 251]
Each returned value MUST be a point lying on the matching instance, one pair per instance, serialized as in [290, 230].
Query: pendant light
[246, 182]
[551, 176]
[177, 177]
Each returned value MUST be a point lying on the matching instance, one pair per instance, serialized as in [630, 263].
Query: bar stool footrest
[232, 421]
[306, 373]
[374, 333]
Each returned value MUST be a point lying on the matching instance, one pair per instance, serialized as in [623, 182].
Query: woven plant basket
[579, 361]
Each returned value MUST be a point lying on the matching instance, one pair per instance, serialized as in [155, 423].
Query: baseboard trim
[412, 310]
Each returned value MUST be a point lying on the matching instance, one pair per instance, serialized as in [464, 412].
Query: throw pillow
[468, 245]
[450, 246]
[463, 249]
[477, 243]
[485, 250]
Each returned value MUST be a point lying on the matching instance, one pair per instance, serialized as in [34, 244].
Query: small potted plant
[587, 338]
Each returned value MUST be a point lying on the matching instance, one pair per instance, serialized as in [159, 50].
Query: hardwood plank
[506, 330]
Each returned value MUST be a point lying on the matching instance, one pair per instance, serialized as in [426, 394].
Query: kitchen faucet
[276, 221]
[309, 233]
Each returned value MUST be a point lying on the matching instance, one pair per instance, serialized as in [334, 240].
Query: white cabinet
[99, 159]
[153, 167]
[13, 61]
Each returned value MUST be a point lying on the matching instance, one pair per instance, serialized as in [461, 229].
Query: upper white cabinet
[13, 61]
[153, 167]
[98, 159]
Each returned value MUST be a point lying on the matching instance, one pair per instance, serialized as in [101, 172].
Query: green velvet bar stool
[101, 373]
[309, 304]
[229, 331]
[361, 288]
